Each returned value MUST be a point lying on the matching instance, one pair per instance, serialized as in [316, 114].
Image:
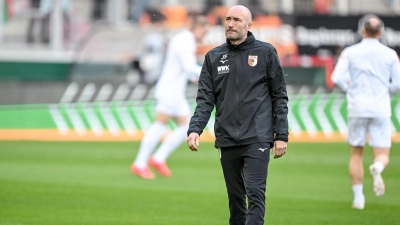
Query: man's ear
[249, 26]
[380, 33]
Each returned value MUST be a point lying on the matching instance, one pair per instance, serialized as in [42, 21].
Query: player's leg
[232, 167]
[356, 138]
[149, 142]
[256, 159]
[356, 171]
[381, 160]
[380, 140]
[181, 114]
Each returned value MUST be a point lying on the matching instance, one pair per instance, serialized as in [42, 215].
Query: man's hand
[279, 149]
[193, 141]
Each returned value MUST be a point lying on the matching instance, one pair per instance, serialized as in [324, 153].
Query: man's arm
[205, 104]
[395, 75]
[277, 89]
[341, 74]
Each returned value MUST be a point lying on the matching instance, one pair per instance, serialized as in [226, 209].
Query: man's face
[236, 25]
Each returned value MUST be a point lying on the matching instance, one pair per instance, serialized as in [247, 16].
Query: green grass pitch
[71, 183]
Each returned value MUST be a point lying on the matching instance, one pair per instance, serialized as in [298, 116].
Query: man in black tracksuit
[243, 79]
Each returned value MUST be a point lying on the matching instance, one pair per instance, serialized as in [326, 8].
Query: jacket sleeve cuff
[282, 137]
[193, 131]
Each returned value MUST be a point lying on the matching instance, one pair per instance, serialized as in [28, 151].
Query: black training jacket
[246, 84]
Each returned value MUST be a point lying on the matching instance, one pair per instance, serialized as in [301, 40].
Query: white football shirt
[368, 71]
[180, 64]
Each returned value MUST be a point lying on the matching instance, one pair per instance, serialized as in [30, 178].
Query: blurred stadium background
[77, 72]
[78, 67]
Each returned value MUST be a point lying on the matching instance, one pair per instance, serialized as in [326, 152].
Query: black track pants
[245, 170]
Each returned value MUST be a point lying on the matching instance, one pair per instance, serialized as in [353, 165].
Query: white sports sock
[358, 193]
[379, 166]
[149, 142]
[172, 142]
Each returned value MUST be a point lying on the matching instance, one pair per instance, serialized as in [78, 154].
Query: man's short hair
[199, 20]
[372, 29]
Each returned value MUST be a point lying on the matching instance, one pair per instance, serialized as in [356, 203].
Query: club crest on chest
[252, 60]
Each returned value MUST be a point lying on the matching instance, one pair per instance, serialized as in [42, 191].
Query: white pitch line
[76, 120]
[337, 116]
[294, 125]
[70, 93]
[59, 120]
[305, 116]
[321, 116]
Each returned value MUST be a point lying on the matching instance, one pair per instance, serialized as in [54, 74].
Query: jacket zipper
[237, 102]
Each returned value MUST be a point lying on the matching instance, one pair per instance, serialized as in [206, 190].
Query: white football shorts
[379, 130]
[173, 107]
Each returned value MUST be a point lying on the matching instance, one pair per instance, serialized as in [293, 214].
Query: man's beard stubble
[236, 37]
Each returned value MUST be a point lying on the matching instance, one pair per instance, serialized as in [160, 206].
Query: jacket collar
[244, 45]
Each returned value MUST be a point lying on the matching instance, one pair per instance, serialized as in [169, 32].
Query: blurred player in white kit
[180, 66]
[368, 71]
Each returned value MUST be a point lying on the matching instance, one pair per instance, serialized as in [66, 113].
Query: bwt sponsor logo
[323, 36]
[223, 69]
[340, 37]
